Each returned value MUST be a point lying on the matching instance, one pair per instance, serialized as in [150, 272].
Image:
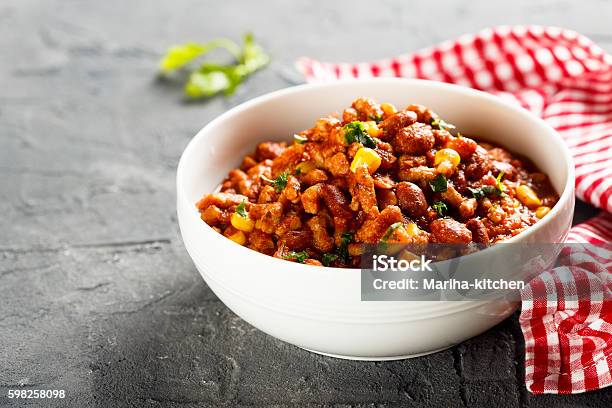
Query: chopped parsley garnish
[442, 125]
[487, 190]
[391, 230]
[356, 132]
[241, 210]
[376, 118]
[345, 239]
[440, 207]
[481, 192]
[439, 184]
[280, 183]
[299, 139]
[328, 258]
[298, 172]
[299, 257]
[498, 180]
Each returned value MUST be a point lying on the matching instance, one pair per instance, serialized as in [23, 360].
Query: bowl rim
[566, 195]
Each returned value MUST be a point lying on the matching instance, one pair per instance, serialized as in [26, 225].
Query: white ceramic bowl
[318, 308]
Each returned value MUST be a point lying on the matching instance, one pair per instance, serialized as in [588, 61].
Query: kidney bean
[411, 198]
[449, 231]
[479, 231]
[394, 123]
[414, 139]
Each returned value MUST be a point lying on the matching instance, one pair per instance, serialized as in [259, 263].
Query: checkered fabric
[566, 79]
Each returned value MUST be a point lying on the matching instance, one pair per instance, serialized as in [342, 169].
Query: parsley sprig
[440, 207]
[356, 132]
[487, 190]
[345, 239]
[299, 257]
[442, 125]
[211, 78]
[328, 258]
[279, 183]
[299, 139]
[241, 210]
[439, 184]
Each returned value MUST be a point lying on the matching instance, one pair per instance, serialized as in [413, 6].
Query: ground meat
[363, 189]
[338, 165]
[323, 128]
[315, 176]
[349, 115]
[373, 229]
[308, 198]
[385, 151]
[269, 150]
[420, 175]
[336, 201]
[424, 114]
[320, 238]
[462, 145]
[367, 109]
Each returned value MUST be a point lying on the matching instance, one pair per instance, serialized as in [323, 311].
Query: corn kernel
[305, 167]
[238, 237]
[372, 128]
[388, 109]
[242, 223]
[542, 211]
[366, 157]
[447, 155]
[412, 229]
[527, 196]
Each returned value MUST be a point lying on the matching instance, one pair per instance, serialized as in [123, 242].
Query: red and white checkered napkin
[566, 79]
[566, 315]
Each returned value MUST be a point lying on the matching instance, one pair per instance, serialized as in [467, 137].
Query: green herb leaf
[253, 56]
[487, 190]
[279, 183]
[391, 230]
[345, 239]
[212, 78]
[355, 132]
[328, 258]
[442, 125]
[440, 207]
[439, 184]
[179, 56]
[241, 210]
[299, 139]
[375, 118]
[297, 256]
[204, 85]
[481, 192]
[498, 180]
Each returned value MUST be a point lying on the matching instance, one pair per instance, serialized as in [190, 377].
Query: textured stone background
[98, 296]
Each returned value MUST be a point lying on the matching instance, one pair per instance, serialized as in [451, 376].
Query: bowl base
[389, 358]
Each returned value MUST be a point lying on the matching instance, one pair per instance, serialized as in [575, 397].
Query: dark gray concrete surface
[98, 296]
